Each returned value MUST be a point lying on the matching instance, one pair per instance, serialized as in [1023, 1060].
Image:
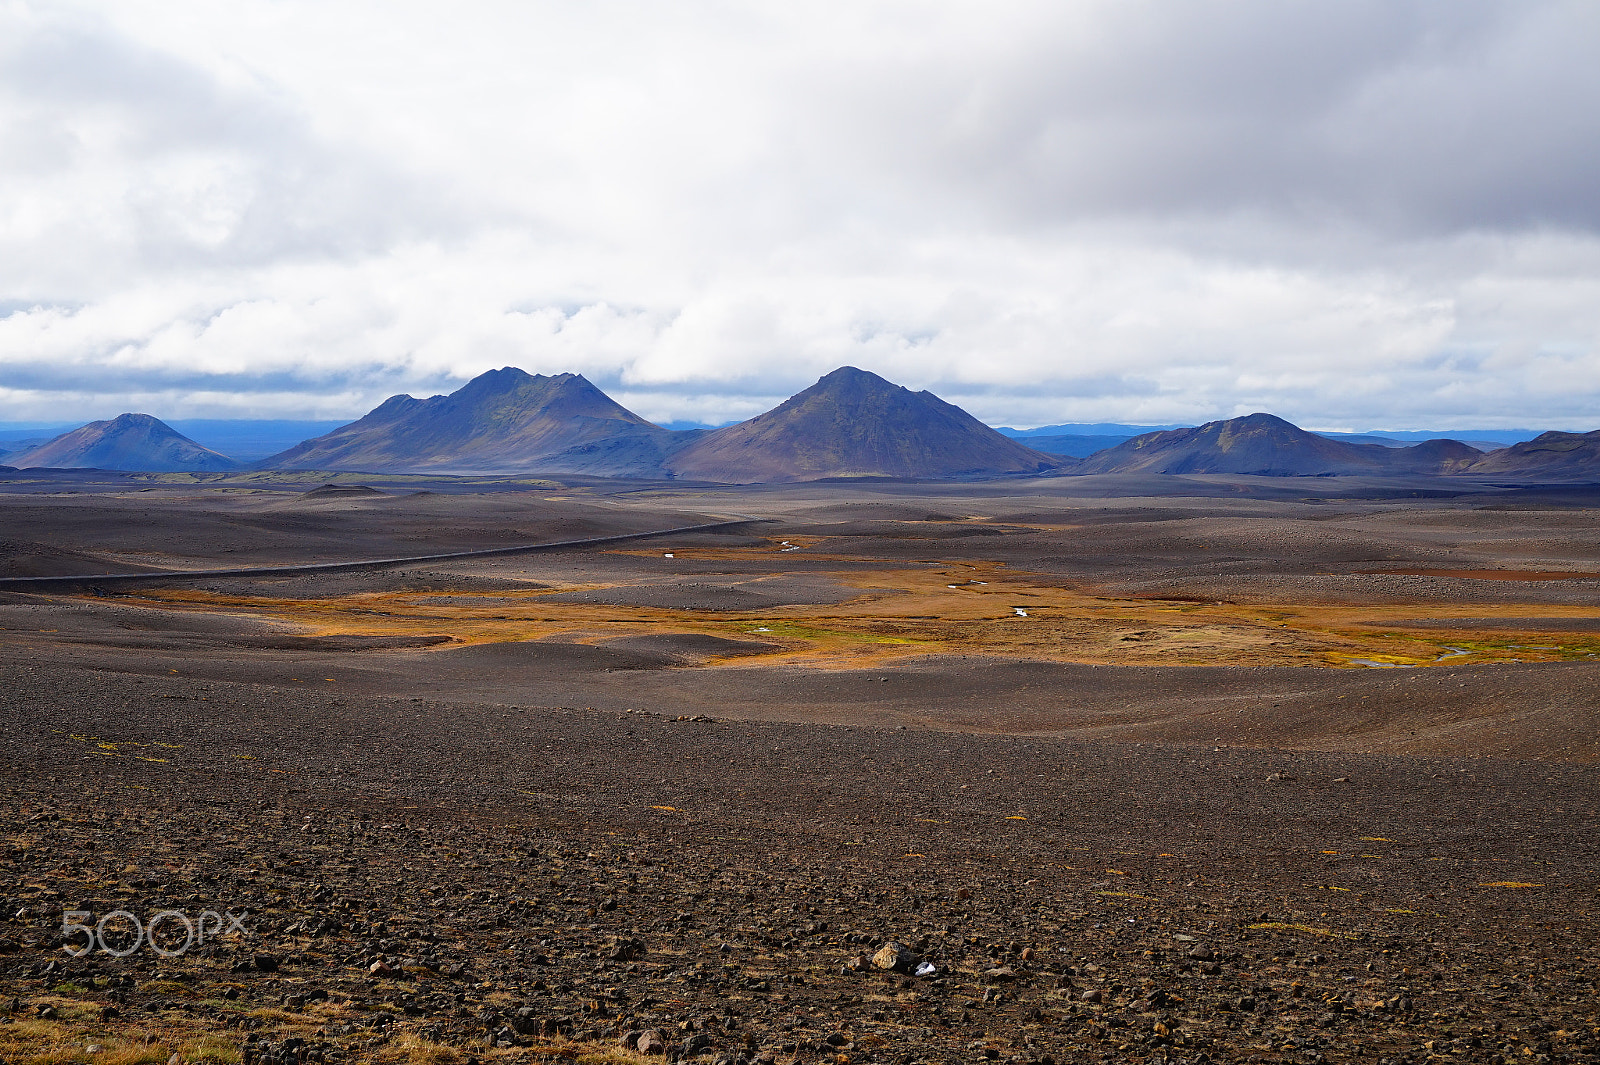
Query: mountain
[1553, 455]
[1483, 440]
[502, 421]
[1083, 429]
[1072, 445]
[134, 442]
[16, 437]
[249, 439]
[855, 424]
[1269, 446]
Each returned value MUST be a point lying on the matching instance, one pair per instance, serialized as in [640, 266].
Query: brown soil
[1493, 575]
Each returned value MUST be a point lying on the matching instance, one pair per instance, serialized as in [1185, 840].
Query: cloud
[125, 164]
[1368, 213]
[1404, 117]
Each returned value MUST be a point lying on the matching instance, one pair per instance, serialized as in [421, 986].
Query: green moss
[809, 632]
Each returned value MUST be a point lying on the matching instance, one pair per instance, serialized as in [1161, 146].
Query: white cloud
[1370, 213]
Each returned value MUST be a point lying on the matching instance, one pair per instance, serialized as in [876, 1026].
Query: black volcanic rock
[1554, 456]
[135, 442]
[855, 424]
[502, 421]
[1265, 445]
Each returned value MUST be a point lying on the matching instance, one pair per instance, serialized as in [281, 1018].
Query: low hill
[852, 423]
[1266, 445]
[502, 421]
[134, 442]
[1554, 456]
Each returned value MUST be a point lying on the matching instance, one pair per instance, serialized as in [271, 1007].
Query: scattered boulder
[896, 958]
[625, 949]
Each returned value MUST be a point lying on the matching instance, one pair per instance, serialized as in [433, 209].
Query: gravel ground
[599, 849]
[494, 882]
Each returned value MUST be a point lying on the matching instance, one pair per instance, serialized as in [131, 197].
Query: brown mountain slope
[855, 424]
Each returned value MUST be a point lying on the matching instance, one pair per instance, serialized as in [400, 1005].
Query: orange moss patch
[933, 607]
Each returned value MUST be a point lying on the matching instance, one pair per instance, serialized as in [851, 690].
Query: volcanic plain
[1138, 768]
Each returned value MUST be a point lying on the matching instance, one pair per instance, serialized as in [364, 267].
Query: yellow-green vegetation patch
[1414, 650]
[1289, 926]
[168, 987]
[810, 632]
[1364, 658]
[1521, 647]
[610, 1057]
[30, 1041]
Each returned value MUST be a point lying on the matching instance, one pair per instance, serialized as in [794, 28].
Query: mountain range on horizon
[851, 424]
[1082, 439]
[1266, 445]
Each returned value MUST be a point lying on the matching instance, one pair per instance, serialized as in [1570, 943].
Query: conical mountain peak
[853, 423]
[139, 442]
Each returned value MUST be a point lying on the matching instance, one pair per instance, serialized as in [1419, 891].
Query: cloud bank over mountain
[1370, 214]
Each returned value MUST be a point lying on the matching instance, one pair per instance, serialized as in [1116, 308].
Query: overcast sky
[1355, 214]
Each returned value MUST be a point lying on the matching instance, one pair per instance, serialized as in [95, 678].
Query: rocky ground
[448, 882]
[614, 848]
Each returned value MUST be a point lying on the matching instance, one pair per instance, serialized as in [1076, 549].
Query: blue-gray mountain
[849, 424]
[136, 442]
[502, 421]
[1550, 456]
[852, 423]
[1268, 446]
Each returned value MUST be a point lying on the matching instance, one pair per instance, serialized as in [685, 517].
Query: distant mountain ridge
[850, 424]
[250, 439]
[1084, 429]
[1082, 439]
[1072, 445]
[133, 442]
[1266, 445]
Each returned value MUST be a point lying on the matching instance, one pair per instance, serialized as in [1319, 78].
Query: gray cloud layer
[1365, 214]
